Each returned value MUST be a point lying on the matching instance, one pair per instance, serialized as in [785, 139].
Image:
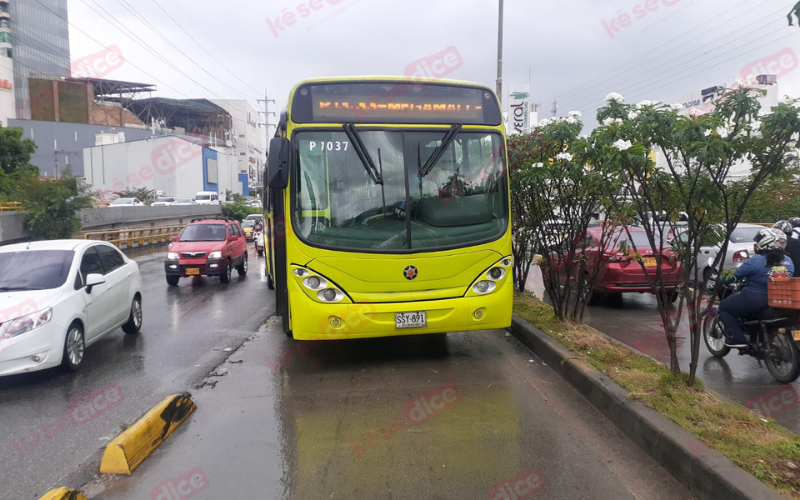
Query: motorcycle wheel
[715, 338]
[782, 358]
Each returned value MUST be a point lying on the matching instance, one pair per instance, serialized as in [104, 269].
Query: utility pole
[266, 123]
[266, 100]
[500, 54]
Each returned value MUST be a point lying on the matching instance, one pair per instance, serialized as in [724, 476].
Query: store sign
[5, 84]
[706, 103]
[519, 110]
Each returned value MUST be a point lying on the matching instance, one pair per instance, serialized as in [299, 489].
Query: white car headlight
[25, 324]
[173, 256]
[215, 255]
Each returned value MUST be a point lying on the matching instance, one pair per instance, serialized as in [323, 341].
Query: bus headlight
[484, 286]
[330, 295]
[300, 272]
[507, 262]
[314, 283]
[496, 273]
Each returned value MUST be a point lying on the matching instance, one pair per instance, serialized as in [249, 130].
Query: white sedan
[126, 202]
[59, 297]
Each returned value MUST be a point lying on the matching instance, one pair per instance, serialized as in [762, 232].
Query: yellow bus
[387, 209]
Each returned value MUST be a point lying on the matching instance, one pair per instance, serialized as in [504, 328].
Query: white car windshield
[202, 197]
[122, 201]
[34, 269]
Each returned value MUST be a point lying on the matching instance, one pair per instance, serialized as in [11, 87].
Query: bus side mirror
[278, 163]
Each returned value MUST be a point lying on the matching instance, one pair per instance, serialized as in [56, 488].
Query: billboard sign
[519, 109]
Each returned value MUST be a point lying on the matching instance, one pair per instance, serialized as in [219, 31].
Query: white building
[246, 138]
[180, 166]
[8, 104]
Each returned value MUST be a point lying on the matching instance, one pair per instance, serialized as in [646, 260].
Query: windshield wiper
[363, 154]
[437, 154]
[19, 288]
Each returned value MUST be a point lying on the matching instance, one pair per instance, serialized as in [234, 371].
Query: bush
[238, 210]
[50, 205]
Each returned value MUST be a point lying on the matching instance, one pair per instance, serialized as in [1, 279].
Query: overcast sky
[665, 53]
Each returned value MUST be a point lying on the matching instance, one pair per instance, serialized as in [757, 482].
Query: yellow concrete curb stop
[63, 494]
[128, 450]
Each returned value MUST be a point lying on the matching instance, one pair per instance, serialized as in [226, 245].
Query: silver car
[740, 248]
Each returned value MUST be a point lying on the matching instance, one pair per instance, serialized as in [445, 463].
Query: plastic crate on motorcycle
[784, 293]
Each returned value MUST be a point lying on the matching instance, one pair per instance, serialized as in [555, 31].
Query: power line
[199, 45]
[147, 23]
[663, 45]
[673, 68]
[113, 52]
[124, 30]
[650, 89]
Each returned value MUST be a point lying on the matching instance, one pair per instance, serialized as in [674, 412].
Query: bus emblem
[410, 272]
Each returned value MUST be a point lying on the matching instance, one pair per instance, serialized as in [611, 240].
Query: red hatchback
[621, 272]
[207, 247]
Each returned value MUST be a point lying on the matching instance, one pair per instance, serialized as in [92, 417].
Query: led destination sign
[394, 103]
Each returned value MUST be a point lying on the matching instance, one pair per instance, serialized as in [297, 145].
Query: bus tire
[270, 283]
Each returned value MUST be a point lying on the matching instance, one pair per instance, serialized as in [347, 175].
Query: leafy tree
[777, 199]
[238, 210]
[701, 154]
[15, 152]
[143, 194]
[559, 195]
[522, 151]
[50, 204]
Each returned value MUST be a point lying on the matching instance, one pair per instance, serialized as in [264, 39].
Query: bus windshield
[459, 200]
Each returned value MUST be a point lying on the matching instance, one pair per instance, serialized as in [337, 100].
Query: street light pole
[500, 54]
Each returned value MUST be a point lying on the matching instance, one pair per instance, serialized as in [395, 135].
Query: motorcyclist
[793, 241]
[748, 304]
[258, 226]
[795, 222]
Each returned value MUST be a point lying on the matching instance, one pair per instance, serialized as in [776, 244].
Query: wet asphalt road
[338, 421]
[301, 426]
[183, 337]
[635, 321]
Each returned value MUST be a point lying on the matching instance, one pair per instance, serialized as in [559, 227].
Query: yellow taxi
[247, 227]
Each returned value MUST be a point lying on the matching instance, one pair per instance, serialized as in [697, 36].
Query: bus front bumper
[312, 320]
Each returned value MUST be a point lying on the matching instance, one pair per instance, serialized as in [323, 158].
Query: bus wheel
[270, 283]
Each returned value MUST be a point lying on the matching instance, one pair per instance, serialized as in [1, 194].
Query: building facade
[61, 144]
[180, 166]
[38, 43]
[246, 140]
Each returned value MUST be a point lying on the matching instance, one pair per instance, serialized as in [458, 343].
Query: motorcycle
[772, 337]
[258, 240]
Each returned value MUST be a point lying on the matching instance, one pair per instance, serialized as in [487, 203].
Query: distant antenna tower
[554, 109]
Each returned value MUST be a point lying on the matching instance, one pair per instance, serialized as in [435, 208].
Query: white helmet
[770, 239]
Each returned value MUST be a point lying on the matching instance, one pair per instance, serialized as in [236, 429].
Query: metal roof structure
[193, 115]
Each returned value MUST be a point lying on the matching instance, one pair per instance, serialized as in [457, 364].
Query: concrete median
[128, 450]
[63, 494]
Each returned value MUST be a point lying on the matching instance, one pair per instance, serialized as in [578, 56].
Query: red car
[621, 272]
[207, 247]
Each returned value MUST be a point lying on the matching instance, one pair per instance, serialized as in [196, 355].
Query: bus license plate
[411, 320]
[192, 270]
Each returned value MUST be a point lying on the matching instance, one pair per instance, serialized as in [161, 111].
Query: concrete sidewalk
[228, 441]
[344, 420]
